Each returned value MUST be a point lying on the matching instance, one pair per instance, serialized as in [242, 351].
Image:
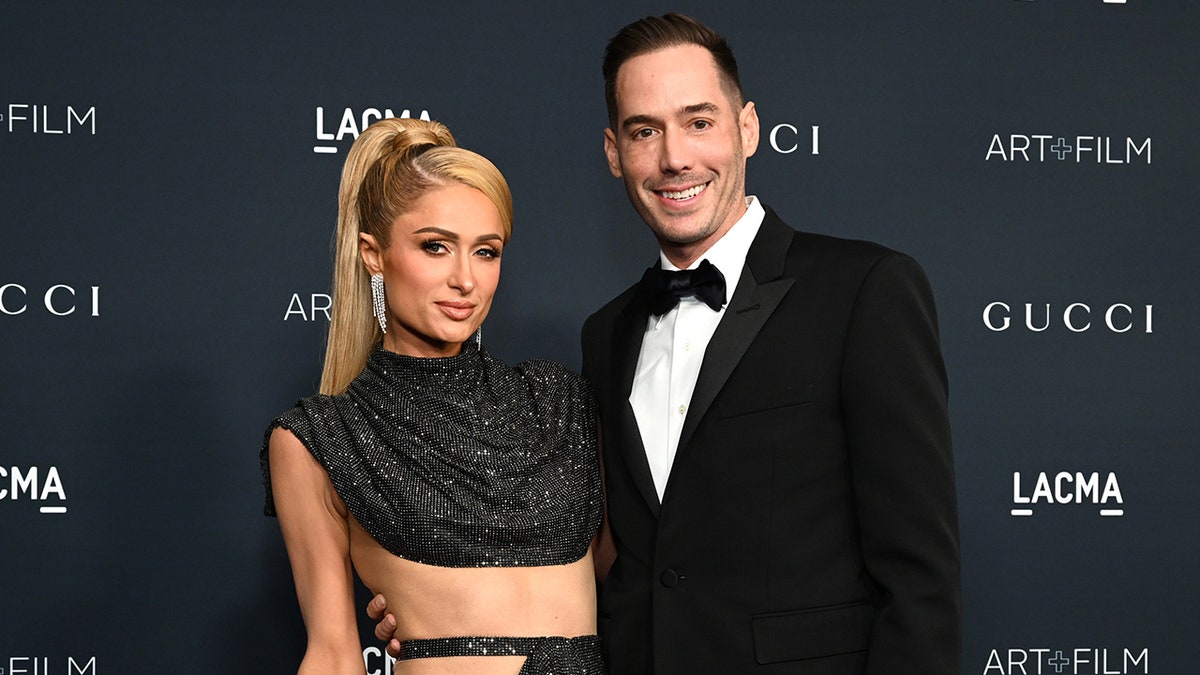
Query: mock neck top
[460, 461]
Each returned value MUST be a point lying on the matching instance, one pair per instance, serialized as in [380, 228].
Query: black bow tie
[666, 287]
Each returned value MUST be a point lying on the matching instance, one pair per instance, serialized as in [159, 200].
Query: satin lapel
[759, 292]
[628, 331]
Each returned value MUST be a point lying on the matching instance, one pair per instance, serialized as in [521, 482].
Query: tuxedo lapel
[758, 294]
[628, 332]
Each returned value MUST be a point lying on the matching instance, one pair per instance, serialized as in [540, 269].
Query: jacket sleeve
[894, 397]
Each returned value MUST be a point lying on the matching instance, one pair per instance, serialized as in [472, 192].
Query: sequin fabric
[545, 655]
[460, 461]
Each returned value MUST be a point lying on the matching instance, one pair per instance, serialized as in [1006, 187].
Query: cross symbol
[1059, 662]
[1061, 149]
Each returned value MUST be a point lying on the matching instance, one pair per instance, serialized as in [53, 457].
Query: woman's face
[440, 270]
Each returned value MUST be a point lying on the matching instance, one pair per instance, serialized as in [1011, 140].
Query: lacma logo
[1068, 488]
[1061, 148]
[35, 485]
[1079, 661]
[45, 119]
[351, 124]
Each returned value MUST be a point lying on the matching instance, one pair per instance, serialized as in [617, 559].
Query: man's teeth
[685, 194]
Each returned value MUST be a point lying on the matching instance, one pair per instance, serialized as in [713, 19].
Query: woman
[464, 491]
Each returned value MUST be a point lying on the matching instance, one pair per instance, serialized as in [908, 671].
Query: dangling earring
[479, 336]
[378, 306]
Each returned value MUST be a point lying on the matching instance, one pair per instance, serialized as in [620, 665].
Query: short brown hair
[654, 33]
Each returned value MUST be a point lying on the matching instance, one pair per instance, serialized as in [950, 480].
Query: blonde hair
[391, 165]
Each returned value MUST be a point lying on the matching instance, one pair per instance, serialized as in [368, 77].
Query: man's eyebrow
[635, 120]
[705, 107]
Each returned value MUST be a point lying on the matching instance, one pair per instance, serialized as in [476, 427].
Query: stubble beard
[681, 238]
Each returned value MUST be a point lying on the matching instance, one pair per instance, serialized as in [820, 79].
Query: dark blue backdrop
[166, 226]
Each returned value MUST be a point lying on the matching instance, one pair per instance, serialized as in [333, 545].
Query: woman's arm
[316, 532]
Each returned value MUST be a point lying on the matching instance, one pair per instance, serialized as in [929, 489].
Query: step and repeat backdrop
[168, 176]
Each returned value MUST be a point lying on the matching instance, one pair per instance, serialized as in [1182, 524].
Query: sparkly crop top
[460, 461]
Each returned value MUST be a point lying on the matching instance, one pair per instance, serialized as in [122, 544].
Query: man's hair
[655, 33]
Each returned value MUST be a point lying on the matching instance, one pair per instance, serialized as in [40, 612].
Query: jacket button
[669, 579]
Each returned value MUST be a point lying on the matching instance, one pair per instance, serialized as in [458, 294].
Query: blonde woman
[464, 491]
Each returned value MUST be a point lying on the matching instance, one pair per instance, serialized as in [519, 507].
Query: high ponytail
[391, 165]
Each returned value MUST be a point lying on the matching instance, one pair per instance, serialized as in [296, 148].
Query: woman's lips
[457, 310]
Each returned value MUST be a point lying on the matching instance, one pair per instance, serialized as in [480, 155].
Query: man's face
[680, 145]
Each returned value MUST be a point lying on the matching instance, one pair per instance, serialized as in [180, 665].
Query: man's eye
[643, 133]
[701, 124]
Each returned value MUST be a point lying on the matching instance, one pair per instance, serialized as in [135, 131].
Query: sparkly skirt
[545, 655]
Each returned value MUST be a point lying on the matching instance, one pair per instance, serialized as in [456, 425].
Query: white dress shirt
[673, 349]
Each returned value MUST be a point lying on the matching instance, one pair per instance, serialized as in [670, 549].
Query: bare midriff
[436, 602]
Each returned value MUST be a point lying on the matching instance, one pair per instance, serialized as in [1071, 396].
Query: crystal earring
[378, 306]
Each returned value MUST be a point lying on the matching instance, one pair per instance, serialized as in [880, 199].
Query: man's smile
[681, 195]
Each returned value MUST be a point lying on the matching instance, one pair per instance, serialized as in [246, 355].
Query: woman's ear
[371, 253]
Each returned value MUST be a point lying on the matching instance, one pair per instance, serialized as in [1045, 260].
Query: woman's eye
[434, 246]
[488, 252]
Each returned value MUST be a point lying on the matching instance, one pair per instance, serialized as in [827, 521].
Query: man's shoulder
[829, 250]
[842, 245]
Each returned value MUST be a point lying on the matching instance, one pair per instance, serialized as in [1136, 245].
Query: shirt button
[682, 409]
[669, 578]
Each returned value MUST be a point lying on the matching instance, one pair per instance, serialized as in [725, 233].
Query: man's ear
[748, 122]
[610, 151]
[371, 253]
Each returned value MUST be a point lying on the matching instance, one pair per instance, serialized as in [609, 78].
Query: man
[778, 464]
[780, 483]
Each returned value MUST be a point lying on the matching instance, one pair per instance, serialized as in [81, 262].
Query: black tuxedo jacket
[809, 523]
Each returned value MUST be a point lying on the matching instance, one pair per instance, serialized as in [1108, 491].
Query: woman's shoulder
[302, 417]
[308, 421]
[313, 421]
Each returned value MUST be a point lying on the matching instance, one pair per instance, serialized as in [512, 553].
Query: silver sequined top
[460, 461]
